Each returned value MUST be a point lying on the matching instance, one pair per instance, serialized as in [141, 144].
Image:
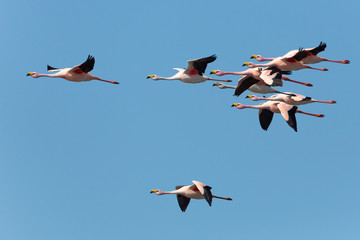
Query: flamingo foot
[324, 69]
[114, 82]
[346, 61]
[227, 81]
[308, 84]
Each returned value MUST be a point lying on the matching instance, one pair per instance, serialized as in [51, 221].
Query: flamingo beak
[153, 191]
[29, 74]
[245, 64]
[253, 56]
[150, 76]
[234, 105]
[213, 72]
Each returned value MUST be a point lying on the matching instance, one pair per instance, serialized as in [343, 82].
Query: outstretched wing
[288, 113]
[85, 67]
[271, 77]
[244, 83]
[300, 55]
[265, 118]
[318, 49]
[183, 202]
[204, 190]
[198, 66]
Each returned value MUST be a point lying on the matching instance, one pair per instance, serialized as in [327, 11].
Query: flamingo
[267, 110]
[312, 55]
[263, 75]
[287, 62]
[289, 98]
[79, 73]
[193, 73]
[197, 190]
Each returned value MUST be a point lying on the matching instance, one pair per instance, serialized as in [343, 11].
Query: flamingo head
[238, 105]
[217, 72]
[157, 191]
[153, 77]
[218, 84]
[33, 74]
[249, 64]
[253, 97]
[257, 57]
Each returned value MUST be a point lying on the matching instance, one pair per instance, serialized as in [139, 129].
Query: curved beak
[151, 192]
[247, 96]
[29, 74]
[214, 84]
[234, 105]
[244, 65]
[212, 72]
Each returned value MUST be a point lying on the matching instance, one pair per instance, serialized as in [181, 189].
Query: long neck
[55, 75]
[169, 192]
[228, 86]
[166, 78]
[259, 65]
[263, 59]
[252, 106]
[234, 73]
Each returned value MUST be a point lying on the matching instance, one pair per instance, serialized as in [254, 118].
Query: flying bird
[196, 191]
[288, 63]
[311, 58]
[266, 76]
[289, 98]
[267, 110]
[193, 73]
[79, 73]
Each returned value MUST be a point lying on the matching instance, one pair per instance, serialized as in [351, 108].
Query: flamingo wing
[318, 49]
[300, 55]
[183, 202]
[52, 69]
[198, 66]
[288, 113]
[85, 67]
[265, 118]
[244, 83]
[204, 190]
[270, 77]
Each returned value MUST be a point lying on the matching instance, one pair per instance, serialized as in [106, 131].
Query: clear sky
[78, 160]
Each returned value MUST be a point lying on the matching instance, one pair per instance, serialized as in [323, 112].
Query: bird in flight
[197, 190]
[79, 73]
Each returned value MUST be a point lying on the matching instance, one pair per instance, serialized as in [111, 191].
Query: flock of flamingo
[259, 78]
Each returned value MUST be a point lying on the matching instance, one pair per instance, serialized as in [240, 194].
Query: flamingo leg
[344, 62]
[290, 80]
[113, 82]
[320, 69]
[310, 114]
[332, 101]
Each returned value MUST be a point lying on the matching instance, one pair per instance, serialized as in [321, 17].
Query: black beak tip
[27, 74]
[243, 65]
[247, 97]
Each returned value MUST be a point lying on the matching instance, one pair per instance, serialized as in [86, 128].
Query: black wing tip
[50, 68]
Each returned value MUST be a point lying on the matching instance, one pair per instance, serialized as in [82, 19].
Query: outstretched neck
[264, 59]
[169, 192]
[165, 78]
[55, 75]
[235, 73]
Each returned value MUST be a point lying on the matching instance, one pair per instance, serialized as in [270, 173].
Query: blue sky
[78, 160]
